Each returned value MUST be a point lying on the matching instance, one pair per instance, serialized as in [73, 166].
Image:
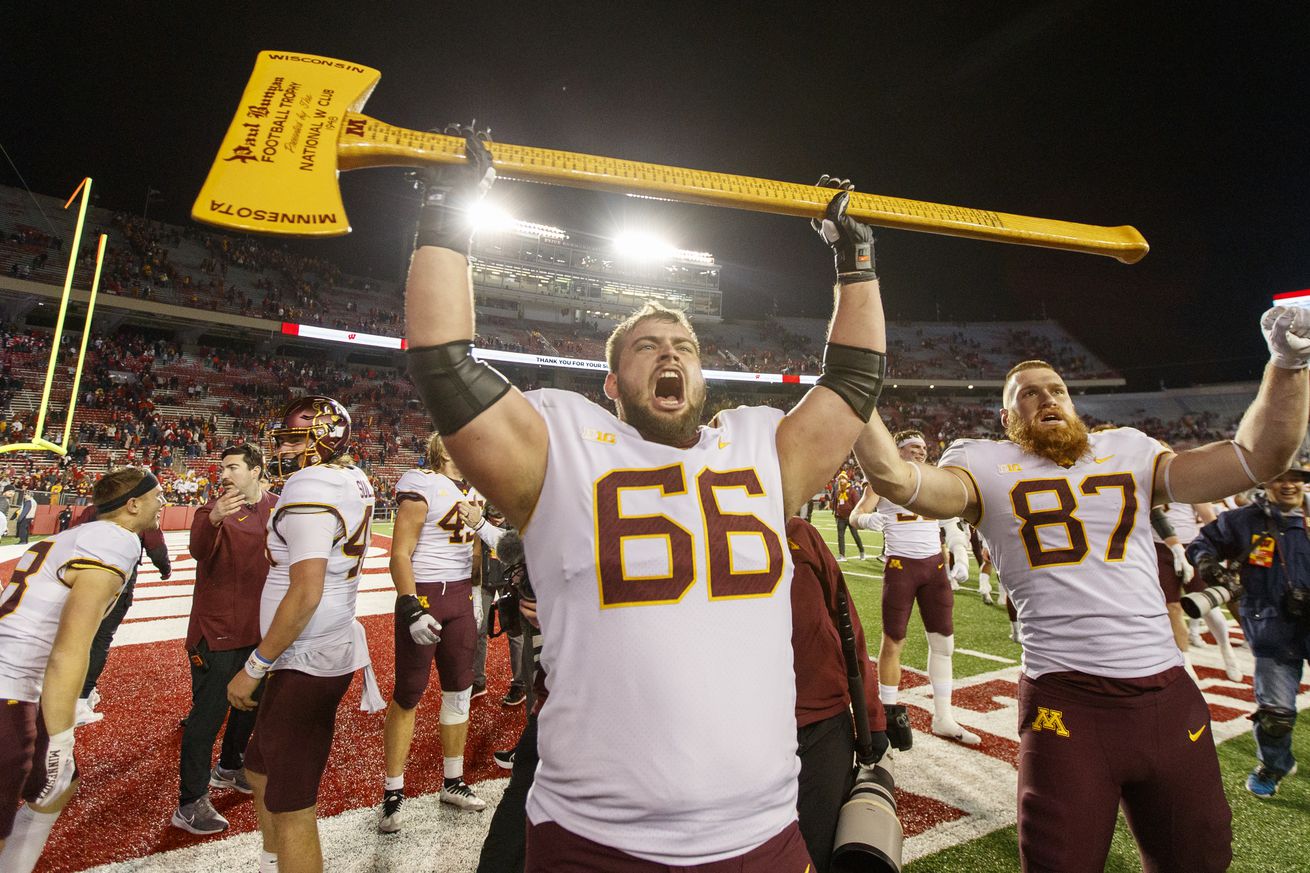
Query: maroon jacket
[231, 565]
[843, 508]
[821, 688]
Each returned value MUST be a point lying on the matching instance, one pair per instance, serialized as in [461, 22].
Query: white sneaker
[841, 558]
[86, 713]
[462, 796]
[952, 731]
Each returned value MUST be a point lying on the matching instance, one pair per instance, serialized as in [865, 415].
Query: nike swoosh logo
[1102, 460]
[1194, 736]
[242, 518]
[724, 445]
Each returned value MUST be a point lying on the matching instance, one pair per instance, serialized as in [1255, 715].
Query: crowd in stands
[146, 401]
[248, 276]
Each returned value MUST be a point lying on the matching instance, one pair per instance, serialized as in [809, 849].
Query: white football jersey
[1183, 518]
[33, 601]
[444, 552]
[663, 577]
[1074, 548]
[329, 645]
[907, 535]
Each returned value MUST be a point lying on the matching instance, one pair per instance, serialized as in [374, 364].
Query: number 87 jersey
[1075, 550]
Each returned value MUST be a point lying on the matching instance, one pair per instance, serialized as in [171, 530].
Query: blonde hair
[436, 453]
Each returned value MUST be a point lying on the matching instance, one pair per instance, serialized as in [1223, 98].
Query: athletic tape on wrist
[257, 665]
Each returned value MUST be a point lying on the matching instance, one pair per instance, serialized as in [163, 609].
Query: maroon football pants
[1088, 745]
[552, 849]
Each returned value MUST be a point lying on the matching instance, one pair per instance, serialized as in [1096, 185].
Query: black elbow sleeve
[856, 375]
[455, 387]
[1160, 522]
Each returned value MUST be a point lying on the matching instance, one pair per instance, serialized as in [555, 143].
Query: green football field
[1269, 836]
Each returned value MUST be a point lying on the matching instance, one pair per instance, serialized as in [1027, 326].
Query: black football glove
[450, 192]
[425, 630]
[851, 241]
[880, 744]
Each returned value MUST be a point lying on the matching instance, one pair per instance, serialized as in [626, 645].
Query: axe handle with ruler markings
[385, 145]
[299, 123]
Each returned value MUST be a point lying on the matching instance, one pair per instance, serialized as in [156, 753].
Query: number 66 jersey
[663, 577]
[1074, 548]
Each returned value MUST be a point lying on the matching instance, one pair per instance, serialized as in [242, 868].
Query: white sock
[1214, 620]
[267, 862]
[985, 583]
[887, 693]
[940, 648]
[23, 848]
[453, 768]
[394, 783]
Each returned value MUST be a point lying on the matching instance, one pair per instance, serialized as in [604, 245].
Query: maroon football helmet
[323, 424]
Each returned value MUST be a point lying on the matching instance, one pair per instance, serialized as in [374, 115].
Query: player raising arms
[432, 566]
[1107, 713]
[318, 537]
[49, 611]
[657, 550]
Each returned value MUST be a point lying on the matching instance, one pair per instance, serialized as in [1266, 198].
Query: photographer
[1269, 538]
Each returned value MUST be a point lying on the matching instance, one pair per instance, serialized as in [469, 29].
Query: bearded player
[915, 572]
[49, 611]
[1107, 713]
[657, 549]
[432, 567]
[318, 537]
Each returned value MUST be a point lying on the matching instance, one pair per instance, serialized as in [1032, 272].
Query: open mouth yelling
[1050, 417]
[669, 390]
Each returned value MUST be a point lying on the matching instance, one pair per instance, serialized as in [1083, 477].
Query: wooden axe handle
[367, 142]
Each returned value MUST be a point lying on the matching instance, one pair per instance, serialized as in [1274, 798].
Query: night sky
[1188, 121]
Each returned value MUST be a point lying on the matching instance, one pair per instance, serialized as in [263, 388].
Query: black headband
[147, 484]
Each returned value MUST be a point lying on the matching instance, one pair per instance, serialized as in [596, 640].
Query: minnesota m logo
[895, 564]
[1050, 720]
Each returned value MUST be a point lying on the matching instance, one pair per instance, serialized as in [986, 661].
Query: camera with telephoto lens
[1222, 585]
[869, 836]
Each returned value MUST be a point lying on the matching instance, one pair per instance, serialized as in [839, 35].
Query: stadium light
[642, 247]
[489, 217]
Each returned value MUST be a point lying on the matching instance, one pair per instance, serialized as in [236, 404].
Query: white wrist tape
[257, 665]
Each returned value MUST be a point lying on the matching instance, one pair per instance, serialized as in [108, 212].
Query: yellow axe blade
[299, 123]
[276, 171]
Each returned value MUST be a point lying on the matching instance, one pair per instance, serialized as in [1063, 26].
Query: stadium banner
[312, 331]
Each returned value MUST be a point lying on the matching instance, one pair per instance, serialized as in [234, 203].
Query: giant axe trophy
[299, 124]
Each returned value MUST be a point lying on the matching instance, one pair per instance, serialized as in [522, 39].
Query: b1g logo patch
[600, 436]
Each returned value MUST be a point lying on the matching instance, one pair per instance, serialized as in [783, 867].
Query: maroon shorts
[551, 849]
[22, 758]
[450, 603]
[293, 736]
[1088, 744]
[907, 580]
[975, 545]
[1170, 581]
